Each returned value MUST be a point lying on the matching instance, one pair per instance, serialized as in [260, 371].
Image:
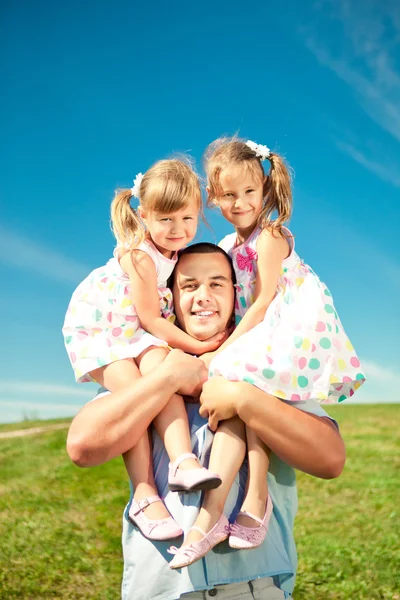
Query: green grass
[28, 423]
[60, 526]
[347, 530]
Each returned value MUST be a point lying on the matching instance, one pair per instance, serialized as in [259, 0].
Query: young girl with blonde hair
[289, 340]
[120, 321]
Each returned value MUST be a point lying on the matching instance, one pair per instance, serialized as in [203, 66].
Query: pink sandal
[157, 530]
[187, 555]
[247, 538]
[191, 480]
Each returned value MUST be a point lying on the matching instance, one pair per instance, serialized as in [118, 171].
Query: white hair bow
[262, 152]
[136, 185]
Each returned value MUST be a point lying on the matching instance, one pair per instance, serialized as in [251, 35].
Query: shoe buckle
[143, 504]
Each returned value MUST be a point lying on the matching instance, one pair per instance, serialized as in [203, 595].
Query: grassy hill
[60, 526]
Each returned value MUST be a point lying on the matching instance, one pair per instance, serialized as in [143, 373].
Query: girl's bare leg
[227, 454]
[256, 493]
[138, 460]
[171, 423]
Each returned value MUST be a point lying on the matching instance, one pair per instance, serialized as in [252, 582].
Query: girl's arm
[143, 277]
[272, 249]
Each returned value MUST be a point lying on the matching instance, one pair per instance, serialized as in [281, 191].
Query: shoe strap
[180, 459]
[268, 509]
[195, 528]
[144, 503]
[248, 514]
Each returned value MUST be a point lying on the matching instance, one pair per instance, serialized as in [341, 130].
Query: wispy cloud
[388, 172]
[381, 373]
[371, 35]
[43, 388]
[40, 399]
[382, 385]
[369, 39]
[21, 252]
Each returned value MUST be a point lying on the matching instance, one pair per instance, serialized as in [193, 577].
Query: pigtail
[125, 222]
[278, 194]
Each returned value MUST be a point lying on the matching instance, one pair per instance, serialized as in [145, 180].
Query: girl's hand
[213, 343]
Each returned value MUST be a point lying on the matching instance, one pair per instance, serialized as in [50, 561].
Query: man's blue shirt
[147, 575]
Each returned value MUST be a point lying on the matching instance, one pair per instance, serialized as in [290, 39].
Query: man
[300, 435]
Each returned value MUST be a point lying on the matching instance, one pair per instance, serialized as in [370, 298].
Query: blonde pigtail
[126, 224]
[278, 194]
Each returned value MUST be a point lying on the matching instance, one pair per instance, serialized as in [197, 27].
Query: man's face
[203, 294]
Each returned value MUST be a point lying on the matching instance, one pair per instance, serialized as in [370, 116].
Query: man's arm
[305, 441]
[113, 423]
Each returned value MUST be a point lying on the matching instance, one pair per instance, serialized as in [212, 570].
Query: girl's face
[171, 232]
[242, 198]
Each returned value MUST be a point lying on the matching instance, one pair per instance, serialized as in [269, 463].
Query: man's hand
[189, 372]
[218, 401]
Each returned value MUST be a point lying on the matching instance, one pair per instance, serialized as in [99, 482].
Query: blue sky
[95, 92]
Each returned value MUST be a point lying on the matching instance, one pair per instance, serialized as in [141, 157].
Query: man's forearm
[304, 441]
[112, 424]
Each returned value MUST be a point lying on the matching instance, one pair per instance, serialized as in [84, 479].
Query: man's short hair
[202, 248]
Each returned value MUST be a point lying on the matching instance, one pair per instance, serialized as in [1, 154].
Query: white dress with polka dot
[101, 325]
[300, 349]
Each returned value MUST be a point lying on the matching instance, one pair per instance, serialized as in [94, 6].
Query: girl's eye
[165, 219]
[249, 191]
[187, 218]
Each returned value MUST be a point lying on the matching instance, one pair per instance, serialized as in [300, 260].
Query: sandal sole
[210, 484]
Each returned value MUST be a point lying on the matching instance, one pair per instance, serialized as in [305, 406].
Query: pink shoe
[191, 480]
[156, 530]
[186, 555]
[247, 538]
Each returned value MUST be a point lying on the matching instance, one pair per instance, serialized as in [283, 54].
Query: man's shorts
[260, 589]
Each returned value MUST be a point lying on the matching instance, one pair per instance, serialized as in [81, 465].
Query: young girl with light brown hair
[120, 321]
[288, 341]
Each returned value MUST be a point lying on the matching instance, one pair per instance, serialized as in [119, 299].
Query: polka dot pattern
[111, 331]
[300, 350]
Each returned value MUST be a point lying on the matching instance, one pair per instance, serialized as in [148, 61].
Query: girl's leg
[171, 423]
[138, 460]
[227, 454]
[256, 494]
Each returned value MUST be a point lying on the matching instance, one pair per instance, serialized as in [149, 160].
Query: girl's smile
[241, 200]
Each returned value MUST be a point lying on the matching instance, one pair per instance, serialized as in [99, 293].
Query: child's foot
[245, 537]
[187, 475]
[252, 506]
[191, 551]
[204, 523]
[155, 510]
[151, 516]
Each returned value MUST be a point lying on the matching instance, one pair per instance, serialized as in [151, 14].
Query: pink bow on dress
[245, 263]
